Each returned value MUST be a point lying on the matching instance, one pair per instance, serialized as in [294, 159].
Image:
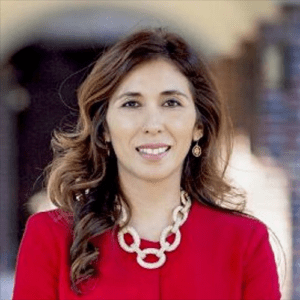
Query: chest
[195, 270]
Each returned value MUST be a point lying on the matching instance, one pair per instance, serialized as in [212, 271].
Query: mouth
[153, 151]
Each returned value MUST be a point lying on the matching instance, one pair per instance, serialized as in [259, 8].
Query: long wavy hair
[81, 156]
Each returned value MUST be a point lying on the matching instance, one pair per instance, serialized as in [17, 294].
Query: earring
[107, 147]
[196, 150]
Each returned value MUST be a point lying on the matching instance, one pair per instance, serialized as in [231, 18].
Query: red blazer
[221, 256]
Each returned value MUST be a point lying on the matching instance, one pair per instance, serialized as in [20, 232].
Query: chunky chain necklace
[180, 214]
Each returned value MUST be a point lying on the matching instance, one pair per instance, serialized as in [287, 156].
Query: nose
[153, 121]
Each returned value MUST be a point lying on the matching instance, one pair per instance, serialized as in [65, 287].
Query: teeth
[153, 151]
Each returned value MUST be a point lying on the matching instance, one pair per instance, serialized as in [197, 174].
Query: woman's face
[151, 121]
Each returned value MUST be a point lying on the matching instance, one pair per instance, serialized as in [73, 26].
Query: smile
[153, 151]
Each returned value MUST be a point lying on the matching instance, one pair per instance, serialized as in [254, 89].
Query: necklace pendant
[152, 265]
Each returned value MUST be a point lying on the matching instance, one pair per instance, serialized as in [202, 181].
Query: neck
[151, 204]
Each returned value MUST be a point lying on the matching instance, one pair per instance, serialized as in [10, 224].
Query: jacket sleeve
[261, 279]
[38, 261]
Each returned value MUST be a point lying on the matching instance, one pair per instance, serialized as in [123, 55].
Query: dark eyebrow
[165, 93]
[174, 92]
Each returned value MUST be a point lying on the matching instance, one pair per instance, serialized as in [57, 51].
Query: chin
[157, 176]
[149, 173]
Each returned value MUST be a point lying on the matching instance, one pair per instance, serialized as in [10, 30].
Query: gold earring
[196, 150]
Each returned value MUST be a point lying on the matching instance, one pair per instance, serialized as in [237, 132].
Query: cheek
[184, 124]
[121, 127]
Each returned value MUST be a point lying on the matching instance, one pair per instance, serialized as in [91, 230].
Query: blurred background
[253, 49]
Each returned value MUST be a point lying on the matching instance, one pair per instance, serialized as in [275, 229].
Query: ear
[198, 132]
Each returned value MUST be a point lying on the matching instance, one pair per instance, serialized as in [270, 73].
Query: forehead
[154, 76]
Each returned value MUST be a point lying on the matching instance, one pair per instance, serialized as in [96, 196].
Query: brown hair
[80, 157]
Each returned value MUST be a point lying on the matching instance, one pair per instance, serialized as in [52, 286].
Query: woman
[141, 191]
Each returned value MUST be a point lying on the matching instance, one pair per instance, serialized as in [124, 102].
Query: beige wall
[220, 24]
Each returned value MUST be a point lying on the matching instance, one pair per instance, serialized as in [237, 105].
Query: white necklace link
[180, 215]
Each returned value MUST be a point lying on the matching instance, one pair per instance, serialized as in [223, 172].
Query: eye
[172, 103]
[131, 103]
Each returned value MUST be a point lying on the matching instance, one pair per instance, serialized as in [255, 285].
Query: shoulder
[48, 234]
[230, 224]
[238, 236]
[56, 221]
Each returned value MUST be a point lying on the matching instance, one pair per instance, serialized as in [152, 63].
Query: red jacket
[221, 256]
